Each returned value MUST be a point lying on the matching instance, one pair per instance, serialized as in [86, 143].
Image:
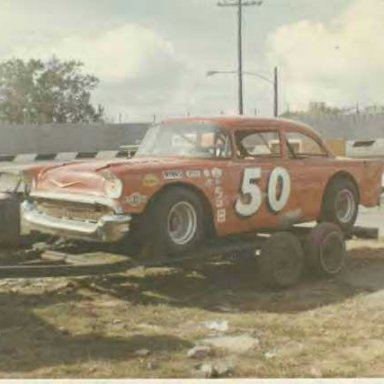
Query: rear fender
[372, 184]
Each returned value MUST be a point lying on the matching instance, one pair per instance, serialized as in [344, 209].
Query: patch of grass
[91, 327]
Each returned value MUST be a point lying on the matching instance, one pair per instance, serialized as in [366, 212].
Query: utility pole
[240, 4]
[275, 93]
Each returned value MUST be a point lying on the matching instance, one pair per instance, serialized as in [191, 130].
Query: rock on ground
[215, 369]
[199, 352]
[234, 344]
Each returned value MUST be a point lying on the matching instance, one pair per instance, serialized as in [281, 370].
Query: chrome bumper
[109, 228]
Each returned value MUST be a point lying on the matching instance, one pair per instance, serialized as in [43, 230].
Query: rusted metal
[55, 264]
[238, 191]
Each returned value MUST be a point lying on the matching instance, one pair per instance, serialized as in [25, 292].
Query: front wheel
[174, 222]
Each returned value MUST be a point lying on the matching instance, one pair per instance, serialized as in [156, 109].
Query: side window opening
[253, 144]
[301, 146]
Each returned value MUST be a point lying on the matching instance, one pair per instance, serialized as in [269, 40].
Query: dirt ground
[143, 323]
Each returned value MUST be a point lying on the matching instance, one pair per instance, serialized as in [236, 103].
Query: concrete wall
[16, 139]
[349, 127]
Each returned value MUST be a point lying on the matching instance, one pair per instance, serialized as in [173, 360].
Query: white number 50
[251, 193]
[250, 201]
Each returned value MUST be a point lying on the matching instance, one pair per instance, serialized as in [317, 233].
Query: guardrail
[365, 148]
[125, 151]
[11, 176]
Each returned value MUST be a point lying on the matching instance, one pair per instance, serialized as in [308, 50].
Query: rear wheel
[340, 204]
[174, 222]
[281, 260]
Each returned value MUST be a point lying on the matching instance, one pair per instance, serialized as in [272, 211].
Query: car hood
[89, 176]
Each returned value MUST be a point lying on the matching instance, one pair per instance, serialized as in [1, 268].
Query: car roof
[244, 123]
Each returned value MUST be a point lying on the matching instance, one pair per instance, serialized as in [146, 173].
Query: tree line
[52, 91]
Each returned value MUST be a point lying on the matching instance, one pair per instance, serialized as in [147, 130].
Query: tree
[315, 108]
[46, 92]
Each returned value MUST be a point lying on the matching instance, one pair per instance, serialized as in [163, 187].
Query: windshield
[189, 139]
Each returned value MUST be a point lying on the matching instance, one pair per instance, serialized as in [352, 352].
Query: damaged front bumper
[109, 228]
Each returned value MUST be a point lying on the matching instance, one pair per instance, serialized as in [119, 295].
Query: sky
[152, 56]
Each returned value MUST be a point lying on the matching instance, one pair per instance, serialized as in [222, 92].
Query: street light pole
[240, 56]
[274, 82]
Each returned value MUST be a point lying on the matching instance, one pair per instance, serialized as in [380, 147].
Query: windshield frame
[211, 128]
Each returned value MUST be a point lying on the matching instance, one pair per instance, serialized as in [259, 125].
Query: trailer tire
[9, 220]
[281, 260]
[325, 250]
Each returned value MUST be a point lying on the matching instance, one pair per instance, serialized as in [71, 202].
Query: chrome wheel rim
[182, 223]
[345, 205]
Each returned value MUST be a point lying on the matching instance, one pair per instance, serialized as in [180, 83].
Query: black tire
[9, 220]
[281, 260]
[325, 250]
[160, 238]
[340, 204]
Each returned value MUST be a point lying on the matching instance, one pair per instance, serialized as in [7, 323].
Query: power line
[240, 4]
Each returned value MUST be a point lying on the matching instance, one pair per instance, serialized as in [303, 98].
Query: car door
[261, 187]
[310, 165]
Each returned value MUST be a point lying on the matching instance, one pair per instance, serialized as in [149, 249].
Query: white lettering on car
[249, 202]
[172, 175]
[206, 173]
[221, 215]
[217, 173]
[250, 199]
[193, 173]
[219, 195]
[279, 189]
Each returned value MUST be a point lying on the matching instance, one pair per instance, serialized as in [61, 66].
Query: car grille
[72, 211]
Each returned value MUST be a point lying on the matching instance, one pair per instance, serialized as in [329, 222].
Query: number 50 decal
[278, 191]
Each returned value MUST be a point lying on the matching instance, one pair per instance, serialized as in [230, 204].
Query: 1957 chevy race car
[202, 177]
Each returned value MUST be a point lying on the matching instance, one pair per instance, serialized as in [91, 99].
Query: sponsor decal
[135, 199]
[193, 173]
[219, 192]
[150, 180]
[219, 203]
[172, 175]
[221, 215]
[209, 182]
[219, 195]
[217, 173]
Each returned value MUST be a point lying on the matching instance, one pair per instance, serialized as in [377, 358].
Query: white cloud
[340, 61]
[138, 69]
[129, 51]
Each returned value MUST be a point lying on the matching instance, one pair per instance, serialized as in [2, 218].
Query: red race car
[203, 177]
